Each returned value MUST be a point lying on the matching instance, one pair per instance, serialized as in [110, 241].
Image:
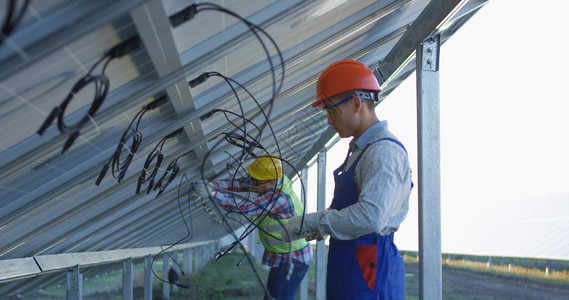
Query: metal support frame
[435, 14]
[320, 245]
[74, 284]
[251, 243]
[428, 131]
[155, 31]
[148, 277]
[304, 180]
[199, 259]
[187, 264]
[127, 281]
[255, 249]
[165, 268]
[174, 263]
[260, 248]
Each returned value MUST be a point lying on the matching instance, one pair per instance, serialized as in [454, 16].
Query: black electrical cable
[12, 18]
[189, 236]
[190, 11]
[188, 14]
[230, 81]
[171, 172]
[230, 166]
[247, 232]
[227, 224]
[120, 166]
[266, 209]
[155, 154]
[102, 86]
[254, 28]
[233, 137]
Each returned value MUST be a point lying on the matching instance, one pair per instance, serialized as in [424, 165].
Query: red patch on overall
[367, 259]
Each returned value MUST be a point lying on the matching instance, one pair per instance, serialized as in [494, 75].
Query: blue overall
[368, 267]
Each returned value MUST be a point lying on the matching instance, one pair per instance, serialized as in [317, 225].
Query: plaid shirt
[273, 203]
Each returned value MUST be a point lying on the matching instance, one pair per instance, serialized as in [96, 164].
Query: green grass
[222, 279]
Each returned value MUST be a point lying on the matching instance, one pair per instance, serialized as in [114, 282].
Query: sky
[503, 117]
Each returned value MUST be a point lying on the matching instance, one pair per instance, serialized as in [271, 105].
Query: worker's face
[338, 111]
[261, 186]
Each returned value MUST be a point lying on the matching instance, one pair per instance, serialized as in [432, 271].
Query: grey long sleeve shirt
[383, 181]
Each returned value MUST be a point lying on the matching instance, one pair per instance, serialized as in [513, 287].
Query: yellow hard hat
[266, 168]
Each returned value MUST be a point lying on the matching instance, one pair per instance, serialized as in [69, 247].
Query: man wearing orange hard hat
[371, 195]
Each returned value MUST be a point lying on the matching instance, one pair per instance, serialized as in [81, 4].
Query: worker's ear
[358, 103]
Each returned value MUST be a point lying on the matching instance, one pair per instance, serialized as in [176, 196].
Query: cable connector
[209, 114]
[156, 103]
[123, 48]
[70, 141]
[54, 113]
[175, 133]
[184, 15]
[198, 80]
[102, 174]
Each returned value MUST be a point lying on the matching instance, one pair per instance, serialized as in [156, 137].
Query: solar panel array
[50, 202]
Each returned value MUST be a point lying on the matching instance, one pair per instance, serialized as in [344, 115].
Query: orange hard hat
[342, 76]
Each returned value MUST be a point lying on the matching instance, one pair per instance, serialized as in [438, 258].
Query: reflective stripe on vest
[273, 227]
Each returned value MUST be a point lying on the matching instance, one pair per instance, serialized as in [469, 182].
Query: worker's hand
[314, 236]
[201, 190]
[293, 228]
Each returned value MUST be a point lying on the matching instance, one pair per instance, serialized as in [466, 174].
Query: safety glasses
[332, 111]
[258, 182]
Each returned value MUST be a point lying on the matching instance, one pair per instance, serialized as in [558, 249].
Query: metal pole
[428, 129]
[175, 262]
[74, 284]
[257, 249]
[304, 180]
[321, 246]
[187, 261]
[148, 277]
[165, 284]
[127, 284]
[251, 243]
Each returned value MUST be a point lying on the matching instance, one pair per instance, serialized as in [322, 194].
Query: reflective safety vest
[272, 227]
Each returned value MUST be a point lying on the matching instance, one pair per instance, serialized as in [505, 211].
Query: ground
[462, 283]
[222, 279]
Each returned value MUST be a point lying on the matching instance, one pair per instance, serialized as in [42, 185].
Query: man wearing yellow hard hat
[276, 202]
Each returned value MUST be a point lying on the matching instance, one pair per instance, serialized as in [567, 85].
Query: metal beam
[321, 258]
[174, 263]
[428, 130]
[11, 269]
[435, 14]
[165, 269]
[148, 277]
[155, 31]
[127, 280]
[54, 262]
[304, 181]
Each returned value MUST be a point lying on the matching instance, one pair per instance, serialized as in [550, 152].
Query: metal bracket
[430, 57]
[74, 283]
